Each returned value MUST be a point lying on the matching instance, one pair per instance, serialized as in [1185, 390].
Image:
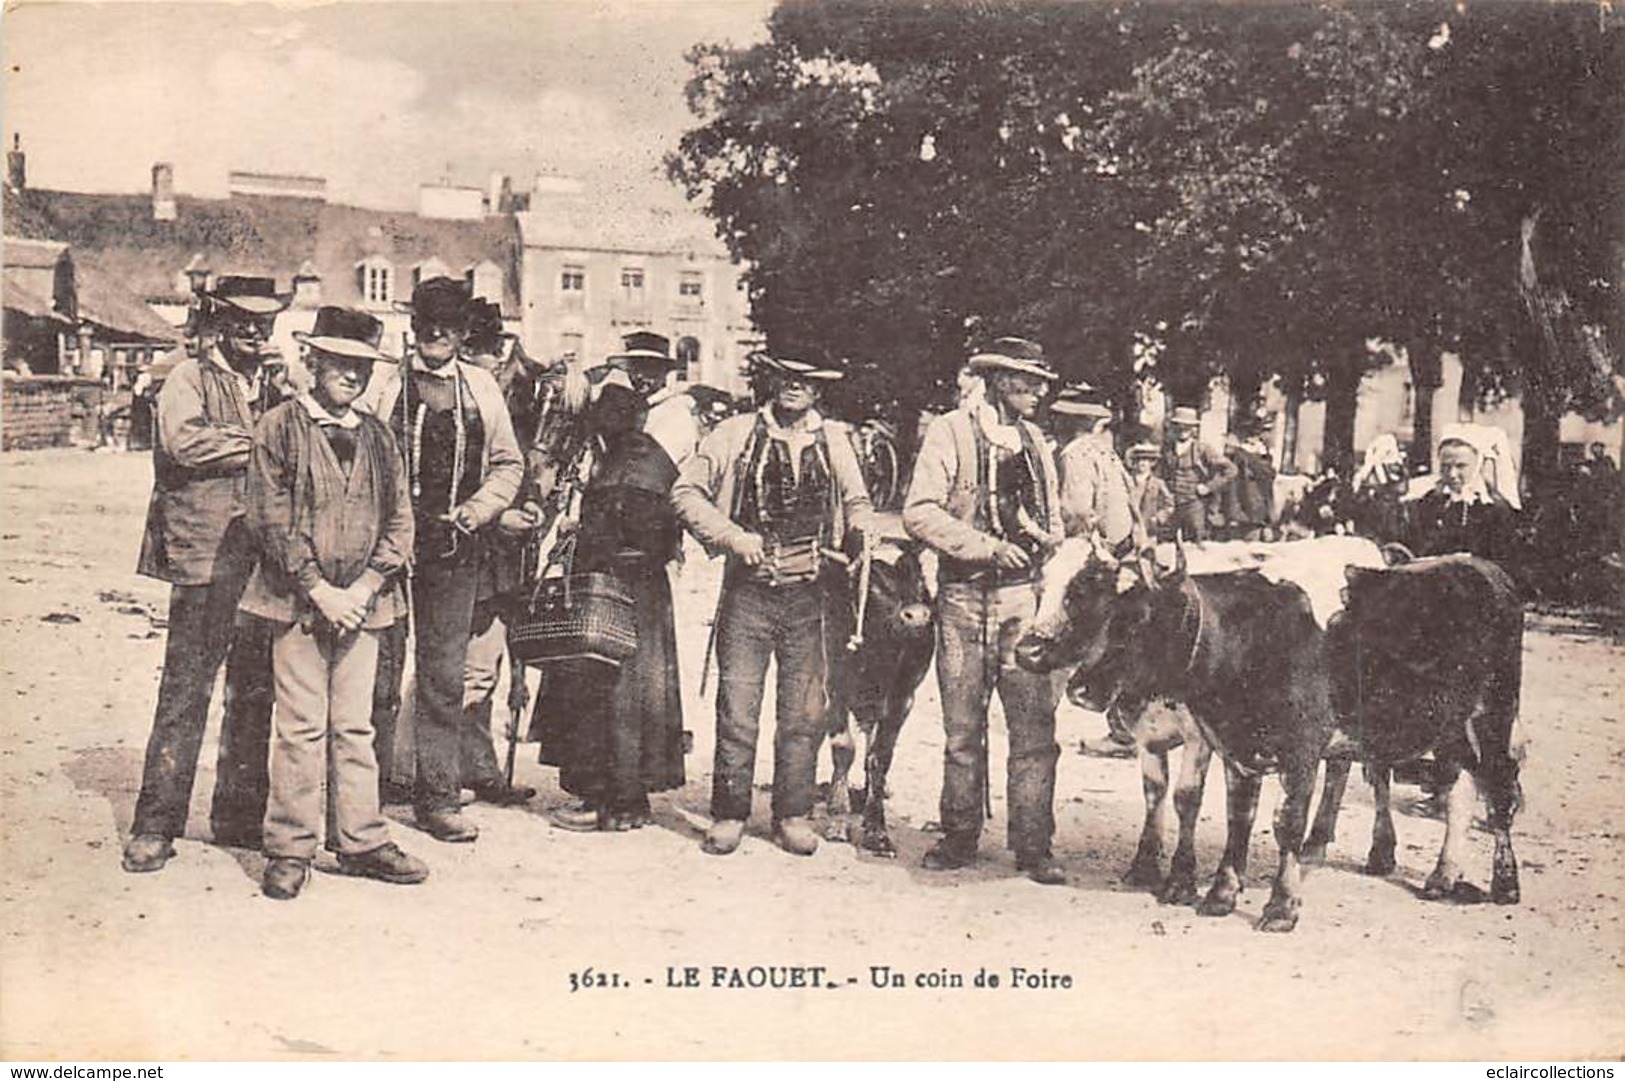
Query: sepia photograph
[812, 531]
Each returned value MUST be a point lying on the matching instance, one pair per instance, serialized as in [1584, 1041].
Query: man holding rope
[775, 490]
[985, 496]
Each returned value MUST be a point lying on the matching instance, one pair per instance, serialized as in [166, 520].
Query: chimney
[163, 192]
[497, 195]
[16, 171]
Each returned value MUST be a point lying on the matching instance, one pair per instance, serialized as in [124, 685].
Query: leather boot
[386, 863]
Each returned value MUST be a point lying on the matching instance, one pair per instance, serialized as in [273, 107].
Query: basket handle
[563, 555]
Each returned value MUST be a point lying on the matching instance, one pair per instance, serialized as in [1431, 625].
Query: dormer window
[428, 270]
[375, 281]
[485, 280]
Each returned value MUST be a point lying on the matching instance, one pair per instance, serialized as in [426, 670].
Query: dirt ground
[193, 963]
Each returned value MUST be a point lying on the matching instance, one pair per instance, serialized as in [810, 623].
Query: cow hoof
[879, 844]
[1178, 892]
[1313, 855]
[838, 831]
[1505, 893]
[1144, 874]
[1216, 905]
[1439, 887]
[1277, 921]
[1379, 864]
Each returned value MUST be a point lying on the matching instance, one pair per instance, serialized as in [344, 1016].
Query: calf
[1160, 726]
[1164, 725]
[872, 680]
[1428, 657]
[1243, 650]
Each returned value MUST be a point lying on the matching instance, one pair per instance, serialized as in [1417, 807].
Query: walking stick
[518, 697]
[711, 639]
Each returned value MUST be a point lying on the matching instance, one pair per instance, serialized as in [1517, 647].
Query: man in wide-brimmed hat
[328, 501]
[985, 495]
[775, 490]
[197, 539]
[1195, 473]
[1094, 484]
[464, 469]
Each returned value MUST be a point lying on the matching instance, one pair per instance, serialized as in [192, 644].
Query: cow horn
[1180, 562]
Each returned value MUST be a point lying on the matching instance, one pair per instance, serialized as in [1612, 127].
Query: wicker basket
[578, 616]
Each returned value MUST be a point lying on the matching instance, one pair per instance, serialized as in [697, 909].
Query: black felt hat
[344, 332]
[247, 293]
[442, 301]
[643, 347]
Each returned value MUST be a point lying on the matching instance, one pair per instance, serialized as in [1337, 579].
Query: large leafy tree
[1525, 143]
[1256, 191]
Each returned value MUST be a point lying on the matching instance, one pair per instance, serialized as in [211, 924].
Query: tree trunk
[1342, 398]
[1427, 372]
[1289, 431]
[1542, 411]
[1245, 391]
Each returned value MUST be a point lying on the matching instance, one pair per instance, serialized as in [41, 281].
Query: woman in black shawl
[616, 734]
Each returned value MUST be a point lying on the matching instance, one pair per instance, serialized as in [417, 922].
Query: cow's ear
[1177, 573]
[1134, 573]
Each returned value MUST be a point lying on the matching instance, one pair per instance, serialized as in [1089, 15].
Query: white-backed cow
[1426, 658]
[1243, 650]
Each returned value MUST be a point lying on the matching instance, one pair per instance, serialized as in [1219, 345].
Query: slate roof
[274, 236]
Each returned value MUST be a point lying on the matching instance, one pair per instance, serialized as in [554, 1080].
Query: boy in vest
[328, 501]
[198, 540]
[985, 496]
[774, 490]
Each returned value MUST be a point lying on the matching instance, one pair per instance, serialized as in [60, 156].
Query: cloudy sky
[376, 97]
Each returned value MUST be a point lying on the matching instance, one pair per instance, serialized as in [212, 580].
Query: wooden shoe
[796, 836]
[723, 836]
[285, 877]
[1043, 869]
[503, 794]
[949, 854]
[579, 816]
[147, 852]
[447, 825]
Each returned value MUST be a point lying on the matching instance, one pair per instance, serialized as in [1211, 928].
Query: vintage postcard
[357, 354]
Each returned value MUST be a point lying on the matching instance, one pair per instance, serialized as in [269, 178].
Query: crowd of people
[401, 514]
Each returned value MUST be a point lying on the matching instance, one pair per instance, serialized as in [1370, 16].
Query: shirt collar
[810, 422]
[351, 419]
